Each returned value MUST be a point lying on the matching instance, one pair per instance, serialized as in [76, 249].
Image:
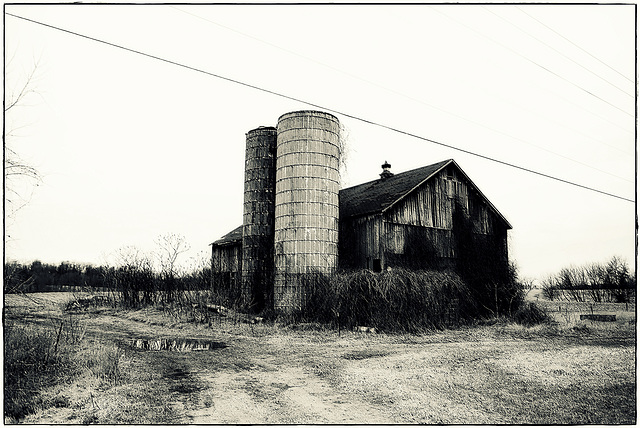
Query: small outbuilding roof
[230, 238]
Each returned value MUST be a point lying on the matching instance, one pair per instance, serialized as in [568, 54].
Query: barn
[415, 219]
[296, 220]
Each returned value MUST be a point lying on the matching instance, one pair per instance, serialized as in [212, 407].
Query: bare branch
[26, 89]
[19, 175]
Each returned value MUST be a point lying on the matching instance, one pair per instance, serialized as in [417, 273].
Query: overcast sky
[130, 147]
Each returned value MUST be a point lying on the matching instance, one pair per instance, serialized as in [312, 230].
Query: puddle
[177, 345]
[363, 355]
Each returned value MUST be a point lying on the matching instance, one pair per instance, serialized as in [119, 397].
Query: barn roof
[379, 195]
[230, 238]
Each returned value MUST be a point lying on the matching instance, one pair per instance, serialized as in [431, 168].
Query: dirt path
[238, 385]
[279, 390]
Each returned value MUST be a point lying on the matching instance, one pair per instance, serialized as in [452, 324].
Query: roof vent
[385, 171]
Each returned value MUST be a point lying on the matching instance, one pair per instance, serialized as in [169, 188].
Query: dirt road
[256, 381]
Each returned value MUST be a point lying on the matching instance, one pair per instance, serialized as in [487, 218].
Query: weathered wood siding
[360, 241]
[226, 264]
[421, 226]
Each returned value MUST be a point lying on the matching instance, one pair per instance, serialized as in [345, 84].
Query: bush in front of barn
[399, 300]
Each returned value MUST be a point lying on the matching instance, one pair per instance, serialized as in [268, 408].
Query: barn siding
[360, 241]
[421, 225]
[226, 265]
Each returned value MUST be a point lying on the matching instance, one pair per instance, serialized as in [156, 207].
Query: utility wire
[351, 116]
[420, 101]
[535, 63]
[557, 51]
[574, 44]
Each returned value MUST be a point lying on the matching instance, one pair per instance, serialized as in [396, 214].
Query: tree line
[612, 281]
[42, 277]
[133, 273]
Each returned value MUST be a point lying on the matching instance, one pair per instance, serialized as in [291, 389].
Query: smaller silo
[306, 203]
[258, 217]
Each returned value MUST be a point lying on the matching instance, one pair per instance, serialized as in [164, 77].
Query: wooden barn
[425, 218]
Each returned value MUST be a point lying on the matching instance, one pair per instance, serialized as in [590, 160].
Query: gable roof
[378, 196]
[230, 238]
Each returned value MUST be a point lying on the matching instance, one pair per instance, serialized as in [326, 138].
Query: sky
[130, 147]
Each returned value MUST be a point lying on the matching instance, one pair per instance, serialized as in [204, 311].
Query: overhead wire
[351, 116]
[574, 44]
[537, 64]
[418, 100]
[580, 106]
[502, 18]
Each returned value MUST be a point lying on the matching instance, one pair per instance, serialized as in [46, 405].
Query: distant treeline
[599, 282]
[40, 277]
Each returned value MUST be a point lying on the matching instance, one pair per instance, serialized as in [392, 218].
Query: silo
[306, 203]
[258, 217]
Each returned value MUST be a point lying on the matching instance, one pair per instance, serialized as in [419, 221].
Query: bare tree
[170, 247]
[131, 256]
[20, 177]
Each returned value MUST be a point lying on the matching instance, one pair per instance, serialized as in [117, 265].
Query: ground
[302, 374]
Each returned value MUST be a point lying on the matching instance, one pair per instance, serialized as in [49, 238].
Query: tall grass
[39, 357]
[398, 300]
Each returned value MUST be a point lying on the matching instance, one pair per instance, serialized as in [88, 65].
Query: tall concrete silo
[306, 203]
[258, 217]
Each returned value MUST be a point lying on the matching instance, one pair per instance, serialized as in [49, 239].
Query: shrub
[598, 282]
[33, 360]
[396, 300]
[39, 357]
[530, 314]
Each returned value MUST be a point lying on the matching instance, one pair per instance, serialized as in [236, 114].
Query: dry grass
[496, 373]
[40, 359]
[500, 380]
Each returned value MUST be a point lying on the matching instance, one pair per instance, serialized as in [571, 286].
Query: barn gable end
[412, 219]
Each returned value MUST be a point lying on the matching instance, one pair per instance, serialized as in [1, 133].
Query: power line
[536, 63]
[351, 116]
[557, 51]
[418, 100]
[574, 44]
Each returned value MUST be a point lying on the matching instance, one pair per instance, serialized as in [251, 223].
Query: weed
[39, 357]
[33, 360]
[530, 314]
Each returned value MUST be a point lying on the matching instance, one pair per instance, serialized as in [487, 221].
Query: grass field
[565, 372]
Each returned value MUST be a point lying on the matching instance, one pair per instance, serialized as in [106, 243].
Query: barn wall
[420, 231]
[226, 265]
[360, 241]
[418, 247]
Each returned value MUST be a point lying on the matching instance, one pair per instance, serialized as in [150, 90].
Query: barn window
[377, 265]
